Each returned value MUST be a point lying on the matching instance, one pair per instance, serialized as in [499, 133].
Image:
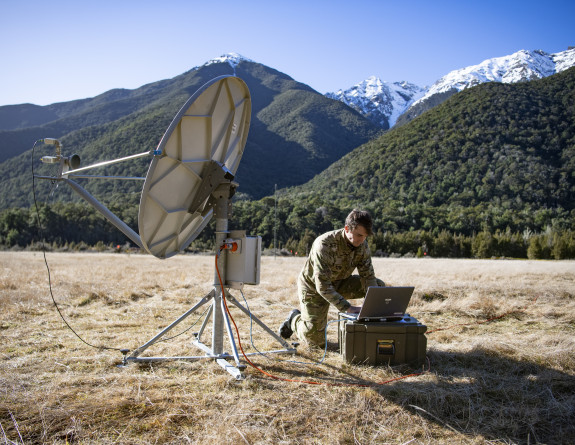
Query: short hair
[360, 218]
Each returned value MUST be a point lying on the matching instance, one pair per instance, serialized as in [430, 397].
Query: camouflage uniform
[327, 278]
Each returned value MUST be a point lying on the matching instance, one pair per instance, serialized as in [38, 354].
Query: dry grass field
[510, 380]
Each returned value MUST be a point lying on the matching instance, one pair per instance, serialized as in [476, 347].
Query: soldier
[327, 278]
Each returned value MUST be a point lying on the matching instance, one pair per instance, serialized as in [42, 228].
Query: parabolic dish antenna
[203, 145]
[190, 179]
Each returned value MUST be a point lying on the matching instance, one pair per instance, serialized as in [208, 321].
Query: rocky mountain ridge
[387, 104]
[381, 102]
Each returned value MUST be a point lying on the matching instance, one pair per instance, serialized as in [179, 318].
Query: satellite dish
[189, 179]
[202, 146]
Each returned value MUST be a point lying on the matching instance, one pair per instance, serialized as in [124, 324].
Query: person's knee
[313, 333]
[315, 338]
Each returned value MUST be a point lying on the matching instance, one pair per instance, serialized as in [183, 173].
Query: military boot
[285, 330]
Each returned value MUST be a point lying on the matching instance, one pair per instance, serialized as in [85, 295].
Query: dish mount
[190, 179]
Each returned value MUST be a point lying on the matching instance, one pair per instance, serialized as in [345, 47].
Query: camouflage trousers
[311, 323]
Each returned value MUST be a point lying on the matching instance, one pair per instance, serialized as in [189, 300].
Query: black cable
[187, 329]
[41, 233]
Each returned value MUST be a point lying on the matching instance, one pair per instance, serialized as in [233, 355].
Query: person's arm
[365, 267]
[323, 282]
[326, 289]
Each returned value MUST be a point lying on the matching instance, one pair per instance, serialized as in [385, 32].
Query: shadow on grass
[482, 393]
[473, 393]
[308, 366]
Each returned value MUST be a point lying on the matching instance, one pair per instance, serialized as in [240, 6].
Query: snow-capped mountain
[381, 102]
[521, 66]
[232, 58]
[564, 60]
[389, 103]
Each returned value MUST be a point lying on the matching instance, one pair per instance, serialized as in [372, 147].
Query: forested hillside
[492, 157]
[295, 133]
[490, 172]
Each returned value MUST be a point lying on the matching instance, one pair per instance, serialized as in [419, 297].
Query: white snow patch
[518, 67]
[232, 58]
[380, 101]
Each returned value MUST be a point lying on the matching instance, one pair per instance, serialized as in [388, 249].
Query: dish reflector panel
[211, 128]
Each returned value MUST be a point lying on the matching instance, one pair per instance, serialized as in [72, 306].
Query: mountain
[387, 104]
[21, 125]
[295, 131]
[498, 158]
[495, 157]
[381, 102]
[521, 66]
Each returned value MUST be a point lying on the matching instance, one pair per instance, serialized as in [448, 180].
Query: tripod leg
[142, 348]
[205, 322]
[230, 334]
[260, 323]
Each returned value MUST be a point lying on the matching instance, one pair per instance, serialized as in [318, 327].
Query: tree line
[285, 228]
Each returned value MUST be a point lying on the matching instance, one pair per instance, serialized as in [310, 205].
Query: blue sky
[60, 50]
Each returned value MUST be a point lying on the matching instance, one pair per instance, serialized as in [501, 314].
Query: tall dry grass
[511, 380]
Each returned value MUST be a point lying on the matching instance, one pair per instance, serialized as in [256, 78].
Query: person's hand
[354, 309]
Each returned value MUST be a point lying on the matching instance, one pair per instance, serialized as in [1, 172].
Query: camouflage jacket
[331, 259]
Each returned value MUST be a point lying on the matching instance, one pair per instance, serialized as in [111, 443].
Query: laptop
[384, 304]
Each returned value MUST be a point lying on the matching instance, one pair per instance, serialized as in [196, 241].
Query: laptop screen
[385, 302]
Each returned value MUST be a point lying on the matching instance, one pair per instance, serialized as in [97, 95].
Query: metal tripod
[216, 312]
